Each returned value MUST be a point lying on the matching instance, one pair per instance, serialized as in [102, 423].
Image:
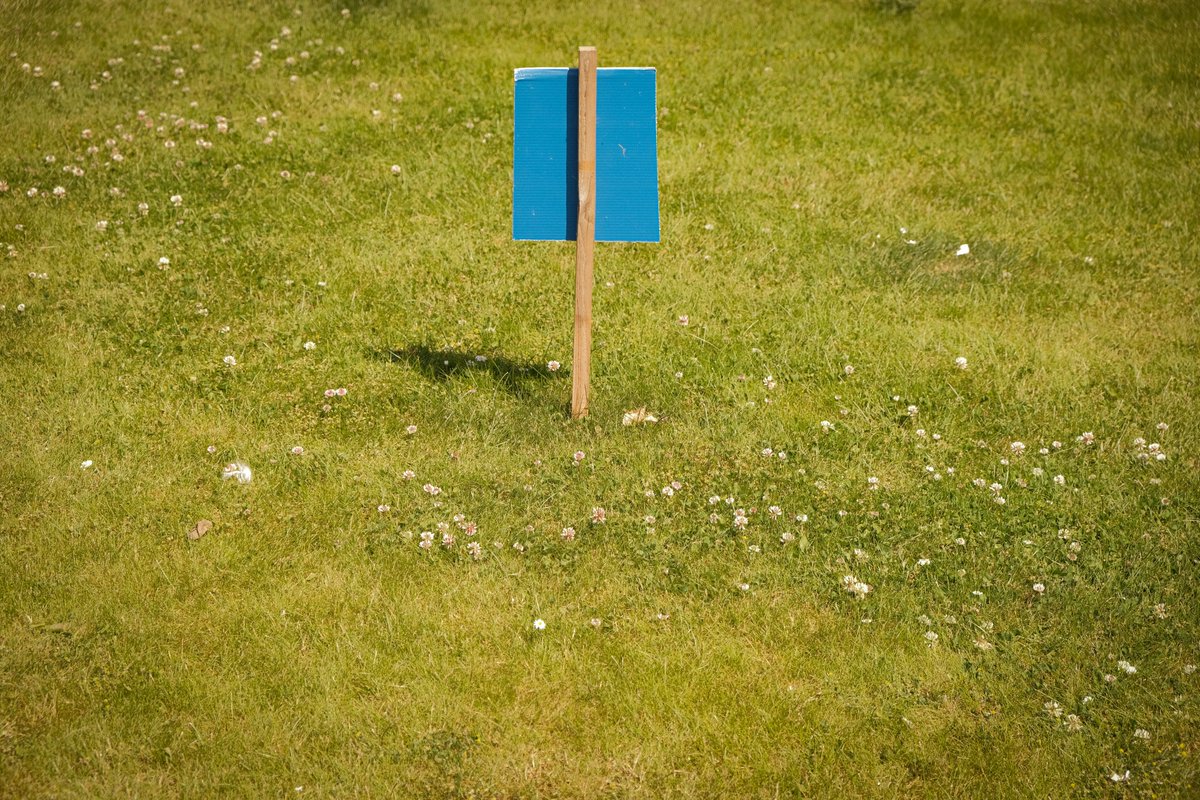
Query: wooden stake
[581, 366]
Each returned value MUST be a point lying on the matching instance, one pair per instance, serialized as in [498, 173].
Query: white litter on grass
[639, 416]
[237, 471]
[963, 250]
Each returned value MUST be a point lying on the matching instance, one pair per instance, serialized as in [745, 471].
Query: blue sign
[546, 152]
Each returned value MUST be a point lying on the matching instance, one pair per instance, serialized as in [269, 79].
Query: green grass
[308, 641]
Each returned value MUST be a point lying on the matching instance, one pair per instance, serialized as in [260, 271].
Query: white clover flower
[848, 369]
[1126, 667]
[855, 587]
[230, 361]
[1060, 480]
[1040, 588]
[86, 464]
[961, 362]
[553, 366]
[310, 345]
[1017, 448]
[769, 382]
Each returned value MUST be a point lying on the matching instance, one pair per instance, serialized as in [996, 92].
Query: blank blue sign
[546, 152]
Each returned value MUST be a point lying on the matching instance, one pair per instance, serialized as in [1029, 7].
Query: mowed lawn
[918, 515]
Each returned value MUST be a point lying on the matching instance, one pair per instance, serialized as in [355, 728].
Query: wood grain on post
[585, 234]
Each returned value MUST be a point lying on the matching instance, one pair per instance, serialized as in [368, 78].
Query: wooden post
[581, 366]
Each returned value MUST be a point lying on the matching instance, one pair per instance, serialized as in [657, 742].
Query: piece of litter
[639, 416]
[963, 249]
[238, 471]
[202, 527]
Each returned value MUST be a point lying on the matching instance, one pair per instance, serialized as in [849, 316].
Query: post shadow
[571, 196]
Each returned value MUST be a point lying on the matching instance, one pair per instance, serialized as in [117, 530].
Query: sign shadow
[441, 365]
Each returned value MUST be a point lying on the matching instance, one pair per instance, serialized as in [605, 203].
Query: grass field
[212, 214]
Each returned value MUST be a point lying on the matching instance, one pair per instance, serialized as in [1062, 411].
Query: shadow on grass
[441, 365]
